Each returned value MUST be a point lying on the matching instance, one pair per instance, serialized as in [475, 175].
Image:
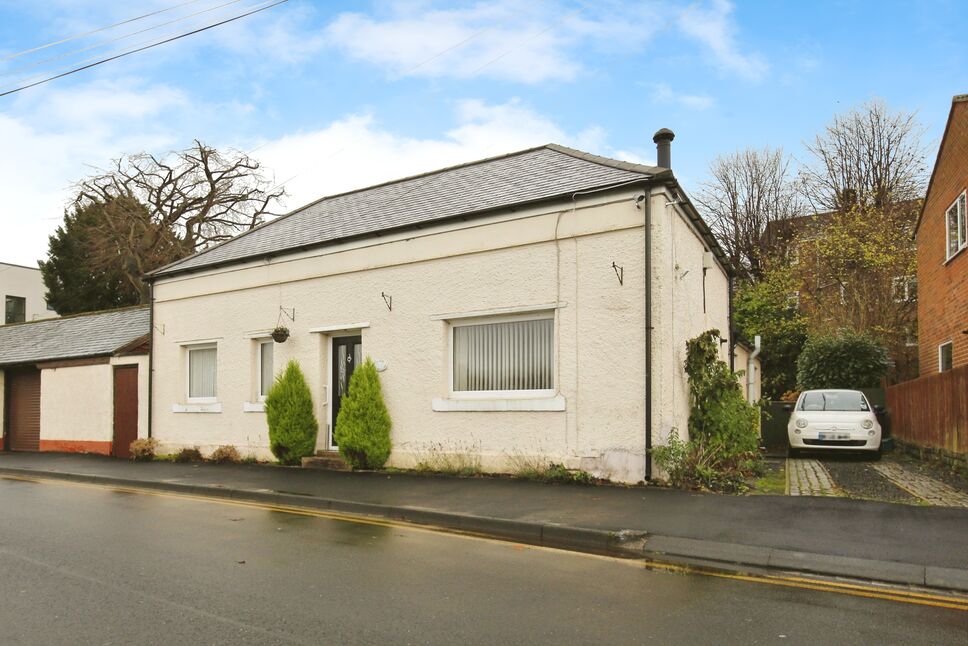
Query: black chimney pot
[663, 147]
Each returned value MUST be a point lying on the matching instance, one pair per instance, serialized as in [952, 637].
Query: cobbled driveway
[856, 477]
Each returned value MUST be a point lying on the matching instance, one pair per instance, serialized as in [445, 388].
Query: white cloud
[356, 151]
[51, 147]
[714, 27]
[663, 93]
[55, 136]
[522, 42]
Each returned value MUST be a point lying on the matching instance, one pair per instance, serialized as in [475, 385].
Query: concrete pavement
[893, 543]
[85, 565]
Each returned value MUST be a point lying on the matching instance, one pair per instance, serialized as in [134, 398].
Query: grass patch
[452, 463]
[538, 470]
[773, 481]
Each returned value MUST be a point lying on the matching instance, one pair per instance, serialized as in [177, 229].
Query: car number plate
[834, 436]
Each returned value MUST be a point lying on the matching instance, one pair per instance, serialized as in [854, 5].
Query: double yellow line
[885, 593]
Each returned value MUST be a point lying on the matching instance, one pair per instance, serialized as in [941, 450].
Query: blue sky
[332, 96]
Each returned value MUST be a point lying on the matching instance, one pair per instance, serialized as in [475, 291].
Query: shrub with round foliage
[848, 360]
[289, 413]
[363, 424]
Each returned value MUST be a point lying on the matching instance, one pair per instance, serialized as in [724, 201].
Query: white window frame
[188, 372]
[941, 345]
[503, 394]
[960, 205]
[259, 397]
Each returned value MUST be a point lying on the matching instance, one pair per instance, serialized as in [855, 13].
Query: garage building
[77, 383]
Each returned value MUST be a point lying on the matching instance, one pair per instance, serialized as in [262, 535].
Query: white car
[840, 420]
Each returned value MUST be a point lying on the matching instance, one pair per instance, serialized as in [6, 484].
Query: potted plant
[280, 334]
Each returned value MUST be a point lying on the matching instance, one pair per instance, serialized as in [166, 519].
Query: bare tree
[202, 195]
[869, 157]
[750, 190]
[153, 211]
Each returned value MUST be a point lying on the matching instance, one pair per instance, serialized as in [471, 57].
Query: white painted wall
[508, 260]
[27, 283]
[76, 403]
[679, 312]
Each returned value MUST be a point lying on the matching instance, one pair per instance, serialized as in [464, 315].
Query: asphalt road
[87, 565]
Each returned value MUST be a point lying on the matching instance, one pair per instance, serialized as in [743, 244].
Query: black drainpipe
[648, 331]
[151, 348]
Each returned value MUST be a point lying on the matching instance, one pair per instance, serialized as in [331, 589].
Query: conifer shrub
[289, 413]
[363, 424]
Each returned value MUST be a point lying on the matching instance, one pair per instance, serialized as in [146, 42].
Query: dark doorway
[22, 404]
[125, 410]
[347, 354]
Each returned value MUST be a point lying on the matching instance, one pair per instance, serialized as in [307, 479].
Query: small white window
[504, 356]
[956, 226]
[265, 368]
[945, 357]
[202, 371]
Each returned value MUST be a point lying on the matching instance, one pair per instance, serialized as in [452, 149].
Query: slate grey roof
[517, 178]
[72, 337]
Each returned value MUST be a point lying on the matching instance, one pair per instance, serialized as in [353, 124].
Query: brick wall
[943, 286]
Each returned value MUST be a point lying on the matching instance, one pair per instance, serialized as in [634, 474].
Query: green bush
[848, 360]
[723, 432]
[289, 413]
[363, 424]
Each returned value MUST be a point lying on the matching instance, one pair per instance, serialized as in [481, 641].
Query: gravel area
[954, 478]
[855, 476]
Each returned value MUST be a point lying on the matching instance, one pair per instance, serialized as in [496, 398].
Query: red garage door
[23, 409]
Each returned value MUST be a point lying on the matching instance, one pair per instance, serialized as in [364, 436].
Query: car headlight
[801, 423]
[868, 424]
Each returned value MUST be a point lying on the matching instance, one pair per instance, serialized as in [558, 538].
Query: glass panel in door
[347, 354]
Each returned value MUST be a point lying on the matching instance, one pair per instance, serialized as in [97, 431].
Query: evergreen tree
[363, 424]
[289, 413]
[75, 281]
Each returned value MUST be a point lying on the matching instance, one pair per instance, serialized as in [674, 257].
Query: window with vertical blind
[506, 355]
[265, 368]
[202, 370]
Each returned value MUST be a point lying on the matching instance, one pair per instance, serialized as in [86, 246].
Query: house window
[905, 289]
[945, 357]
[504, 356]
[16, 309]
[202, 370]
[265, 368]
[956, 226]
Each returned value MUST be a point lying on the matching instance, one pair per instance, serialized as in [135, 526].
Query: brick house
[942, 244]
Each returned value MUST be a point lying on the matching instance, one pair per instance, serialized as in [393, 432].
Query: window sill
[955, 254]
[253, 407]
[196, 408]
[442, 405]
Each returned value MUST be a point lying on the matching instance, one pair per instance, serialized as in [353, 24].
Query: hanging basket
[280, 334]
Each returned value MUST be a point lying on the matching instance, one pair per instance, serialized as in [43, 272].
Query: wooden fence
[932, 411]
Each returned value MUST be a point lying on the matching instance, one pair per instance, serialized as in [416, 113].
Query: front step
[330, 460]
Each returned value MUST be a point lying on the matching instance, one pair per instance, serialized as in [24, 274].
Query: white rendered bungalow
[513, 305]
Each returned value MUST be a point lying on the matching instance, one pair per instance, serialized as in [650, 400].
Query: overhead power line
[141, 49]
[108, 41]
[95, 31]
